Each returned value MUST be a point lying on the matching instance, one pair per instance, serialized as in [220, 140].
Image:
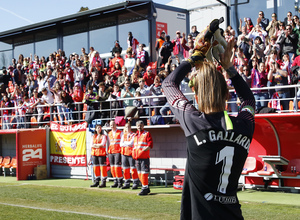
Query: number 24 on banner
[31, 153]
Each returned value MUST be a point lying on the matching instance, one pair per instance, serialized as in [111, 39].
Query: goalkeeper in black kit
[218, 144]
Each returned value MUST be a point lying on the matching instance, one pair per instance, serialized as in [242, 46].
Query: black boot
[120, 183]
[144, 192]
[126, 185]
[103, 184]
[115, 185]
[96, 183]
[135, 185]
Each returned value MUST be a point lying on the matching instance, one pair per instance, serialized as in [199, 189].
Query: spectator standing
[79, 73]
[259, 78]
[142, 56]
[94, 82]
[279, 78]
[49, 79]
[271, 46]
[68, 106]
[194, 32]
[262, 21]
[122, 77]
[156, 90]
[61, 110]
[118, 59]
[129, 62]
[114, 154]
[116, 48]
[160, 41]
[258, 48]
[48, 99]
[17, 74]
[288, 20]
[103, 95]
[165, 52]
[115, 72]
[127, 92]
[132, 42]
[143, 142]
[83, 54]
[288, 42]
[187, 46]
[257, 32]
[6, 103]
[145, 91]
[177, 47]
[273, 25]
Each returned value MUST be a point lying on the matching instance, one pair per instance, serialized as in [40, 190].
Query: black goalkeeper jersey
[218, 146]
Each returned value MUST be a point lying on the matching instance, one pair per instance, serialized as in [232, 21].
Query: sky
[18, 13]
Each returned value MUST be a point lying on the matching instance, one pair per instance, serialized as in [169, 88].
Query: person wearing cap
[132, 42]
[117, 48]
[177, 48]
[165, 51]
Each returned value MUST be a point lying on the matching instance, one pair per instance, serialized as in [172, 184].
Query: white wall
[203, 11]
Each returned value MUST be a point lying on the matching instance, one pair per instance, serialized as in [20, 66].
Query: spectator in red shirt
[149, 76]
[296, 61]
[69, 73]
[115, 59]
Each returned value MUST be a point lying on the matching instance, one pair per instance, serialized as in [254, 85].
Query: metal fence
[41, 115]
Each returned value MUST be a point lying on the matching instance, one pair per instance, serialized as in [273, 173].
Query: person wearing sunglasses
[288, 42]
[262, 21]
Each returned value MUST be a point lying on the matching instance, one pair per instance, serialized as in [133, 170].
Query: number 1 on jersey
[225, 155]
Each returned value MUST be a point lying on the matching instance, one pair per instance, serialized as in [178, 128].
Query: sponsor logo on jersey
[220, 199]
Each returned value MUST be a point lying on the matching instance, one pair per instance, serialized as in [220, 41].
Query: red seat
[266, 171]
[6, 162]
[293, 163]
[1, 161]
[250, 165]
[13, 163]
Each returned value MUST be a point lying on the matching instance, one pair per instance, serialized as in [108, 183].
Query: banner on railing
[67, 144]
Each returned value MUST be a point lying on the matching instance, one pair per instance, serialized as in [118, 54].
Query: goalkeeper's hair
[210, 88]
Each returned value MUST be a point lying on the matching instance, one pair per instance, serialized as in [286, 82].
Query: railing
[43, 114]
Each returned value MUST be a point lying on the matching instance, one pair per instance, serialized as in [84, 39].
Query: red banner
[31, 151]
[160, 27]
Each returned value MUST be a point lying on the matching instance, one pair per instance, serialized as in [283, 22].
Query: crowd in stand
[266, 54]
